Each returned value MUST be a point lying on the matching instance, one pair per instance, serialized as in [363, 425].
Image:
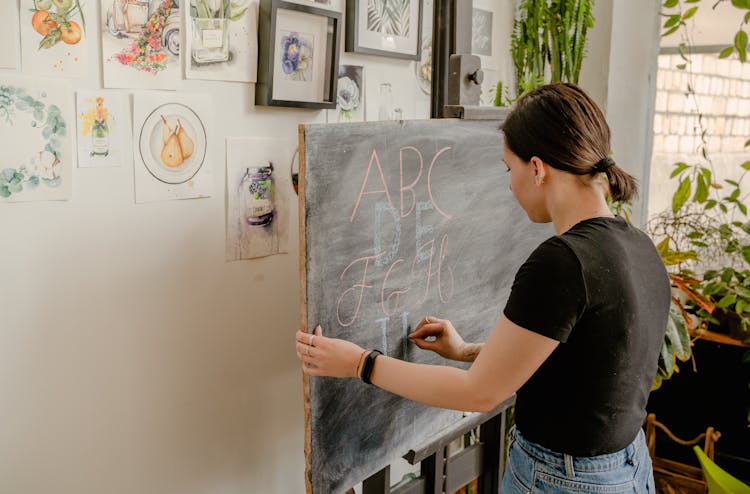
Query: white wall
[714, 23]
[631, 90]
[133, 359]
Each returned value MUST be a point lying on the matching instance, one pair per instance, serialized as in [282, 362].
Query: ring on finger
[311, 339]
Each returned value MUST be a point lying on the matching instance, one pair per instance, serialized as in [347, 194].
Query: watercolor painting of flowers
[297, 55]
[103, 128]
[348, 97]
[35, 138]
[350, 104]
[147, 52]
[141, 43]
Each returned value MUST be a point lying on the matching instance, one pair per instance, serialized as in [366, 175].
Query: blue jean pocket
[549, 483]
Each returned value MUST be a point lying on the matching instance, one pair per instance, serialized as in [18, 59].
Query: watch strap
[368, 365]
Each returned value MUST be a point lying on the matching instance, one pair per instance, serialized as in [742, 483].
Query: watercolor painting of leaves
[390, 17]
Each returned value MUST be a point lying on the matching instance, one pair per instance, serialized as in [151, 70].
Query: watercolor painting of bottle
[222, 40]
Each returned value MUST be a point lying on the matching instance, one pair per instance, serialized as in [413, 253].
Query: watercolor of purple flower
[296, 56]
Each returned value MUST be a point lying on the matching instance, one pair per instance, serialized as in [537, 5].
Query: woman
[580, 335]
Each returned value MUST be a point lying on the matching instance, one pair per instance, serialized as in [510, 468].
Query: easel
[440, 473]
[455, 90]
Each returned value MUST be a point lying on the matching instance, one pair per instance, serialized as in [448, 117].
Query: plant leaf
[746, 254]
[701, 191]
[726, 52]
[740, 42]
[663, 247]
[679, 168]
[746, 164]
[657, 384]
[672, 258]
[681, 196]
[670, 31]
[673, 20]
[726, 300]
[666, 359]
[689, 13]
[668, 4]
[677, 333]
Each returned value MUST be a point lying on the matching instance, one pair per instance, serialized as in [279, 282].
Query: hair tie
[604, 164]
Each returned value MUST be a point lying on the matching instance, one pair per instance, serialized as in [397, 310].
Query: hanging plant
[707, 224]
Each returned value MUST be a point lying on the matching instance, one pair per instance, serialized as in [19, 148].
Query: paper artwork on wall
[423, 66]
[481, 32]
[36, 149]
[170, 146]
[141, 43]
[103, 124]
[258, 197]
[9, 35]
[325, 4]
[350, 102]
[55, 37]
[485, 29]
[222, 40]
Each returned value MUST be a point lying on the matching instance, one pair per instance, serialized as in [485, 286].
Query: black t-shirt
[602, 290]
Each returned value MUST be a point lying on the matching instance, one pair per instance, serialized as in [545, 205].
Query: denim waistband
[583, 463]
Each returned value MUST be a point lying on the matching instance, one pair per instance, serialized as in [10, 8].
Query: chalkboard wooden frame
[463, 194]
[266, 56]
[353, 42]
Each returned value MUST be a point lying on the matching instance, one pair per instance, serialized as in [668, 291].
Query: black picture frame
[354, 41]
[267, 24]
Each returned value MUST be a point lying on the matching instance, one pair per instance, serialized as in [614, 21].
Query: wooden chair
[672, 477]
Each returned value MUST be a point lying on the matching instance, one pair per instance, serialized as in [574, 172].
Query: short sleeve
[549, 293]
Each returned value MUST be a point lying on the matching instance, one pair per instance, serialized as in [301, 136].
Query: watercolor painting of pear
[173, 143]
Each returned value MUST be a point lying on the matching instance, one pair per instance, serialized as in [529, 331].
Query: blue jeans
[533, 469]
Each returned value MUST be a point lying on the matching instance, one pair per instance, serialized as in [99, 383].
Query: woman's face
[526, 183]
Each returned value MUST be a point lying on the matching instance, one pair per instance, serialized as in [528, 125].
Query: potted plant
[730, 289]
[548, 43]
[210, 28]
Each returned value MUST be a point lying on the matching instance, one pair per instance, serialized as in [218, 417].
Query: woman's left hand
[323, 356]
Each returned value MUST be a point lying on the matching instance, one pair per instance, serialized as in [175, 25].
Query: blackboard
[399, 220]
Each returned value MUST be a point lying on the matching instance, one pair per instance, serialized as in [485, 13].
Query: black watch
[368, 365]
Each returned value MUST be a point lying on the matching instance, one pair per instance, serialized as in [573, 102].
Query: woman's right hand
[444, 339]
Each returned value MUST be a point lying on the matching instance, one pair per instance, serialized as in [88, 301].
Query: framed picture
[392, 28]
[298, 64]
